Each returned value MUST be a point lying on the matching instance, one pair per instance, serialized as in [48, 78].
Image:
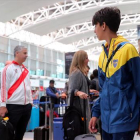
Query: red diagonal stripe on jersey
[17, 83]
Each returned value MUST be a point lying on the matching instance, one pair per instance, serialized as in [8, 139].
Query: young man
[15, 93]
[119, 81]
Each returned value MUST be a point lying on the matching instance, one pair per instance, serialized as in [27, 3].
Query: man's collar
[16, 63]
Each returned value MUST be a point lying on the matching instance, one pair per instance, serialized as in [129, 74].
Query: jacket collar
[14, 62]
[113, 44]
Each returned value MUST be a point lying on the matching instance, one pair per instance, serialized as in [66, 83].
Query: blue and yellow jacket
[118, 104]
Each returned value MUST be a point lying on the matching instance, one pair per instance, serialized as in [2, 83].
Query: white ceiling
[77, 17]
[90, 33]
[11, 9]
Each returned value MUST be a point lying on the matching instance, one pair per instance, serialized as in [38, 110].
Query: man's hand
[57, 95]
[92, 124]
[3, 111]
[138, 130]
[32, 104]
[63, 95]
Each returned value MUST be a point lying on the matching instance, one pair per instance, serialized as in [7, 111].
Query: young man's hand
[3, 111]
[94, 91]
[92, 124]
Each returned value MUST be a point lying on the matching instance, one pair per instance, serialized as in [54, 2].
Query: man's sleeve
[136, 74]
[96, 109]
[31, 98]
[57, 91]
[5, 79]
[50, 93]
[134, 66]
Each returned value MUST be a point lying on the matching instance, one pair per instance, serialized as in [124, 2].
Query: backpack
[6, 130]
[73, 123]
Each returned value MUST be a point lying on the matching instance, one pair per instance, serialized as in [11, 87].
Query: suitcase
[34, 119]
[85, 137]
[39, 133]
[58, 132]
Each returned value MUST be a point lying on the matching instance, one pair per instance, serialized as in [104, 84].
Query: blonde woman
[78, 83]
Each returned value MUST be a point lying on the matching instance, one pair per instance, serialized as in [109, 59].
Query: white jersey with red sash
[15, 85]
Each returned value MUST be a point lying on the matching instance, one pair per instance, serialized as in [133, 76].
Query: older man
[15, 93]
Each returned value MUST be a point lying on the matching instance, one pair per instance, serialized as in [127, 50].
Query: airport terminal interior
[52, 30]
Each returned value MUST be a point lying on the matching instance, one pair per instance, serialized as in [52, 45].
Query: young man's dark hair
[110, 15]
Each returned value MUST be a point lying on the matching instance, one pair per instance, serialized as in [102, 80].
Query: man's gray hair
[18, 49]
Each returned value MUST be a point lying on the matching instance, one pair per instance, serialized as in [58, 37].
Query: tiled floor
[29, 136]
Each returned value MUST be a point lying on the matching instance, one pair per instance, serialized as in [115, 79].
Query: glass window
[54, 53]
[4, 44]
[95, 65]
[61, 56]
[3, 57]
[48, 55]
[40, 69]
[12, 57]
[48, 70]
[32, 72]
[41, 65]
[60, 75]
[60, 71]
[40, 54]
[13, 44]
[2, 65]
[33, 52]
[32, 65]
[54, 71]
[26, 63]
[24, 44]
[40, 72]
[91, 66]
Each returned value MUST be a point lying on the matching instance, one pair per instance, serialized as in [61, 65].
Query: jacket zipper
[107, 79]
[108, 84]
[24, 92]
[108, 89]
[108, 97]
[24, 88]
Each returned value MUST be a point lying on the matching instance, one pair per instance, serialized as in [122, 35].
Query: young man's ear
[104, 26]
